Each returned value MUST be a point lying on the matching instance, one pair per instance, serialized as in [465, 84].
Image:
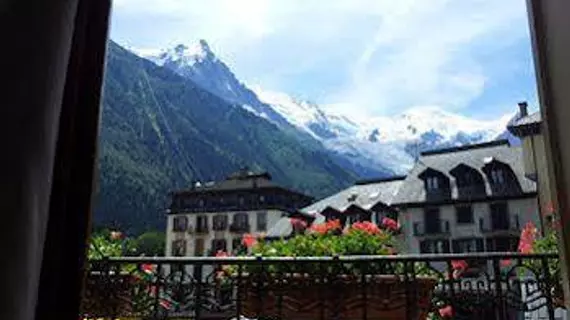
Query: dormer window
[432, 184]
[497, 176]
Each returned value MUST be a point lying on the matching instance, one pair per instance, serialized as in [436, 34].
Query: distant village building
[467, 199]
[462, 199]
[367, 200]
[214, 216]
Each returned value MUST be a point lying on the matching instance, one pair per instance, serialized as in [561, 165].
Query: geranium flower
[334, 224]
[298, 224]
[528, 235]
[249, 240]
[222, 254]
[446, 312]
[390, 224]
[324, 228]
[459, 266]
[505, 263]
[366, 226]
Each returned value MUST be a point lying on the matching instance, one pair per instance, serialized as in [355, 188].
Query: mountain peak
[181, 52]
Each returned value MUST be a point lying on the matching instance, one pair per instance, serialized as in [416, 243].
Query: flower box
[299, 297]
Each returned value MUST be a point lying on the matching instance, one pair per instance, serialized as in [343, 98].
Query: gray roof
[363, 195]
[476, 156]
[534, 118]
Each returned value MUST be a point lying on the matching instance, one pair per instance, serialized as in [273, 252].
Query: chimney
[523, 109]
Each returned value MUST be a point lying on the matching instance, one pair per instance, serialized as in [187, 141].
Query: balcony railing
[438, 228]
[512, 224]
[323, 287]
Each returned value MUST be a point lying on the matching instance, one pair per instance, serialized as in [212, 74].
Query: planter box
[300, 297]
[106, 295]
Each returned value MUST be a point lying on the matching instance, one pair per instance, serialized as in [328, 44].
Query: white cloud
[370, 55]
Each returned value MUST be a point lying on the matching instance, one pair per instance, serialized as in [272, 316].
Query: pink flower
[505, 263]
[249, 240]
[298, 224]
[459, 265]
[222, 254]
[390, 224]
[528, 235]
[446, 312]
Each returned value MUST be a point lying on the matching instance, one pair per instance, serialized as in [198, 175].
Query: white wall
[526, 209]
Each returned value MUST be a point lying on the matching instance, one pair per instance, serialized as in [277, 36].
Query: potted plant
[321, 291]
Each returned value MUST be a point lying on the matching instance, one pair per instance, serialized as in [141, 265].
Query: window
[202, 224]
[241, 219]
[179, 248]
[432, 183]
[261, 221]
[179, 224]
[219, 245]
[199, 247]
[237, 246]
[434, 246]
[261, 199]
[464, 214]
[220, 222]
[497, 176]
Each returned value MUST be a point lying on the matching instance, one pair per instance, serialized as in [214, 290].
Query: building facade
[463, 199]
[467, 199]
[528, 127]
[214, 217]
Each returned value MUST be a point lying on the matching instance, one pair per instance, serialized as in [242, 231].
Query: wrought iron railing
[509, 286]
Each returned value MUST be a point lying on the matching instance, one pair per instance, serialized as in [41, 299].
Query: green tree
[151, 243]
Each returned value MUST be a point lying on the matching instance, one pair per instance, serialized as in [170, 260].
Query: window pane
[464, 214]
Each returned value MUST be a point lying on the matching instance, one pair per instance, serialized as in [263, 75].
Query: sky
[367, 57]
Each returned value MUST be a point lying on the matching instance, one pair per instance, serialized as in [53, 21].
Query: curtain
[52, 62]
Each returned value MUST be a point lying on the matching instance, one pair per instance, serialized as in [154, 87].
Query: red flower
[505, 263]
[116, 235]
[333, 224]
[390, 224]
[446, 312]
[249, 240]
[324, 228]
[458, 267]
[366, 226]
[298, 224]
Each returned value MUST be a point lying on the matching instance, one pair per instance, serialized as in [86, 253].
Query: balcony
[511, 225]
[240, 227]
[440, 227]
[202, 229]
[190, 287]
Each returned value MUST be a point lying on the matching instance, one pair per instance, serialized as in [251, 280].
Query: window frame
[259, 226]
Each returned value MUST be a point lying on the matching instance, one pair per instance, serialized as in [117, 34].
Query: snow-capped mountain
[198, 63]
[371, 144]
